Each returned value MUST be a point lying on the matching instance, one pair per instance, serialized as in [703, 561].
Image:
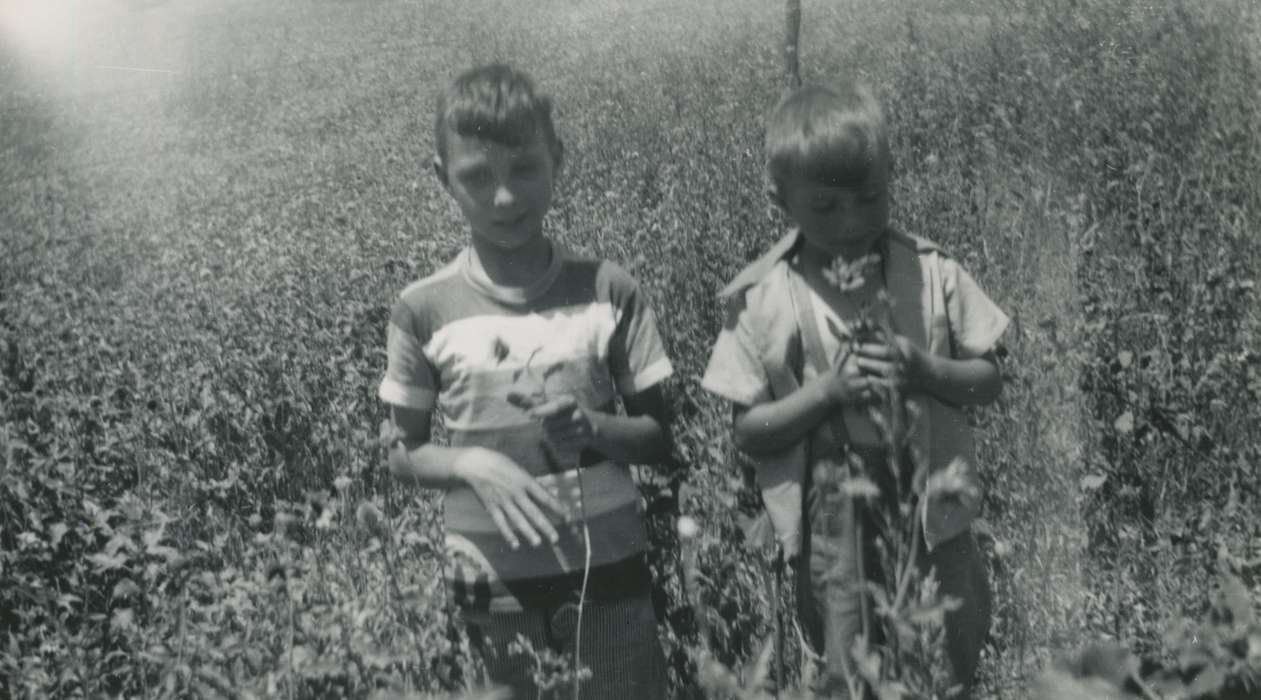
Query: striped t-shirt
[459, 344]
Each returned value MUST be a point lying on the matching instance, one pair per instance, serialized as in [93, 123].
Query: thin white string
[582, 593]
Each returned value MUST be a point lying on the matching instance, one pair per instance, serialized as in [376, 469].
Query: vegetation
[196, 270]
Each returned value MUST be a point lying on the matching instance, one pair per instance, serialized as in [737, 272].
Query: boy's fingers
[552, 408]
[520, 400]
[497, 517]
[880, 368]
[536, 516]
[880, 351]
[521, 523]
[545, 497]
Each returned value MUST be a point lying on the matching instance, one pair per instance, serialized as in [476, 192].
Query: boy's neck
[516, 267]
[818, 259]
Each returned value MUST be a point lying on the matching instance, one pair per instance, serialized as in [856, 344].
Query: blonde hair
[831, 134]
[495, 102]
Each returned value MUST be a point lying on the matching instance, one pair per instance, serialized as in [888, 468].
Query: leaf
[1058, 685]
[56, 532]
[105, 562]
[866, 661]
[499, 349]
[167, 553]
[1207, 682]
[1111, 662]
[1124, 423]
[1235, 600]
[1125, 357]
[123, 619]
[302, 655]
[118, 542]
[758, 533]
[126, 588]
[860, 487]
[152, 537]
[1092, 482]
[759, 667]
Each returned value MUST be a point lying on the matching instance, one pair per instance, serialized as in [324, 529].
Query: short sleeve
[976, 322]
[637, 356]
[410, 379]
[735, 371]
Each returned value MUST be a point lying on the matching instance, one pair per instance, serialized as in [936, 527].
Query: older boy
[796, 407]
[525, 348]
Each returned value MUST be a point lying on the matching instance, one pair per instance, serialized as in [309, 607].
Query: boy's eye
[525, 169]
[476, 178]
[823, 205]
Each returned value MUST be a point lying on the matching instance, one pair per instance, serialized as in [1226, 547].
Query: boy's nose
[504, 196]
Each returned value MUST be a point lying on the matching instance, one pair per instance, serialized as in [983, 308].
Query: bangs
[833, 137]
[506, 119]
[497, 103]
[845, 157]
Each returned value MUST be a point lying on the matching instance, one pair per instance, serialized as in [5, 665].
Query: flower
[851, 276]
[687, 527]
[954, 482]
[370, 518]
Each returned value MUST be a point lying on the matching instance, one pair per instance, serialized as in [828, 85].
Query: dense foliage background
[197, 262]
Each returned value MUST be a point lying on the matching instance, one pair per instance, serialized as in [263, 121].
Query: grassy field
[197, 261]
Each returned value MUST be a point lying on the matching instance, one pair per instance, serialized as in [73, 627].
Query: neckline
[476, 275]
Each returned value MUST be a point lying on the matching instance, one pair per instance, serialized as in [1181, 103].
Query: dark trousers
[620, 648]
[828, 591]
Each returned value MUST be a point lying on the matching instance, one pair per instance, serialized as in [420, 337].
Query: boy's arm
[640, 437]
[973, 381]
[774, 426]
[515, 501]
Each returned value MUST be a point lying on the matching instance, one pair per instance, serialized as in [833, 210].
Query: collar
[476, 276]
[787, 246]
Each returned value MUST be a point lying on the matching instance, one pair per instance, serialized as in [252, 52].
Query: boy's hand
[515, 501]
[568, 426]
[847, 385]
[898, 363]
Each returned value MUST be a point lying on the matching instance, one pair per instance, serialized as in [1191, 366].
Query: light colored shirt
[758, 358]
[459, 345]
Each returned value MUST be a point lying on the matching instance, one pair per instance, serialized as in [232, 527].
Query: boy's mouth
[510, 222]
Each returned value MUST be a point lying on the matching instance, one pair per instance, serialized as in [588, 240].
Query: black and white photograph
[630, 349]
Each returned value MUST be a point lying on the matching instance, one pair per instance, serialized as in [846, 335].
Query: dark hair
[828, 134]
[495, 102]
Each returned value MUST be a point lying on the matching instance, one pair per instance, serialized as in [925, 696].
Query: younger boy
[524, 348]
[801, 400]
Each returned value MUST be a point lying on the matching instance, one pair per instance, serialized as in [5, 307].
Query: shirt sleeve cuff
[396, 393]
[647, 377]
[715, 385]
[985, 341]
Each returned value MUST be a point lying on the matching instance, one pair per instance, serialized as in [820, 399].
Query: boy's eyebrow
[469, 166]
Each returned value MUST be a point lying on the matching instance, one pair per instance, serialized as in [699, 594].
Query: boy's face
[503, 191]
[844, 220]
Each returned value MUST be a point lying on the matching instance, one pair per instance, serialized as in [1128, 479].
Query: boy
[525, 348]
[801, 401]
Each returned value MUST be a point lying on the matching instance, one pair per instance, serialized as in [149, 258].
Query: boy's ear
[440, 171]
[773, 194]
[558, 157]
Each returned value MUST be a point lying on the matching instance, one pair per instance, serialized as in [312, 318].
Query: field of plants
[208, 207]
